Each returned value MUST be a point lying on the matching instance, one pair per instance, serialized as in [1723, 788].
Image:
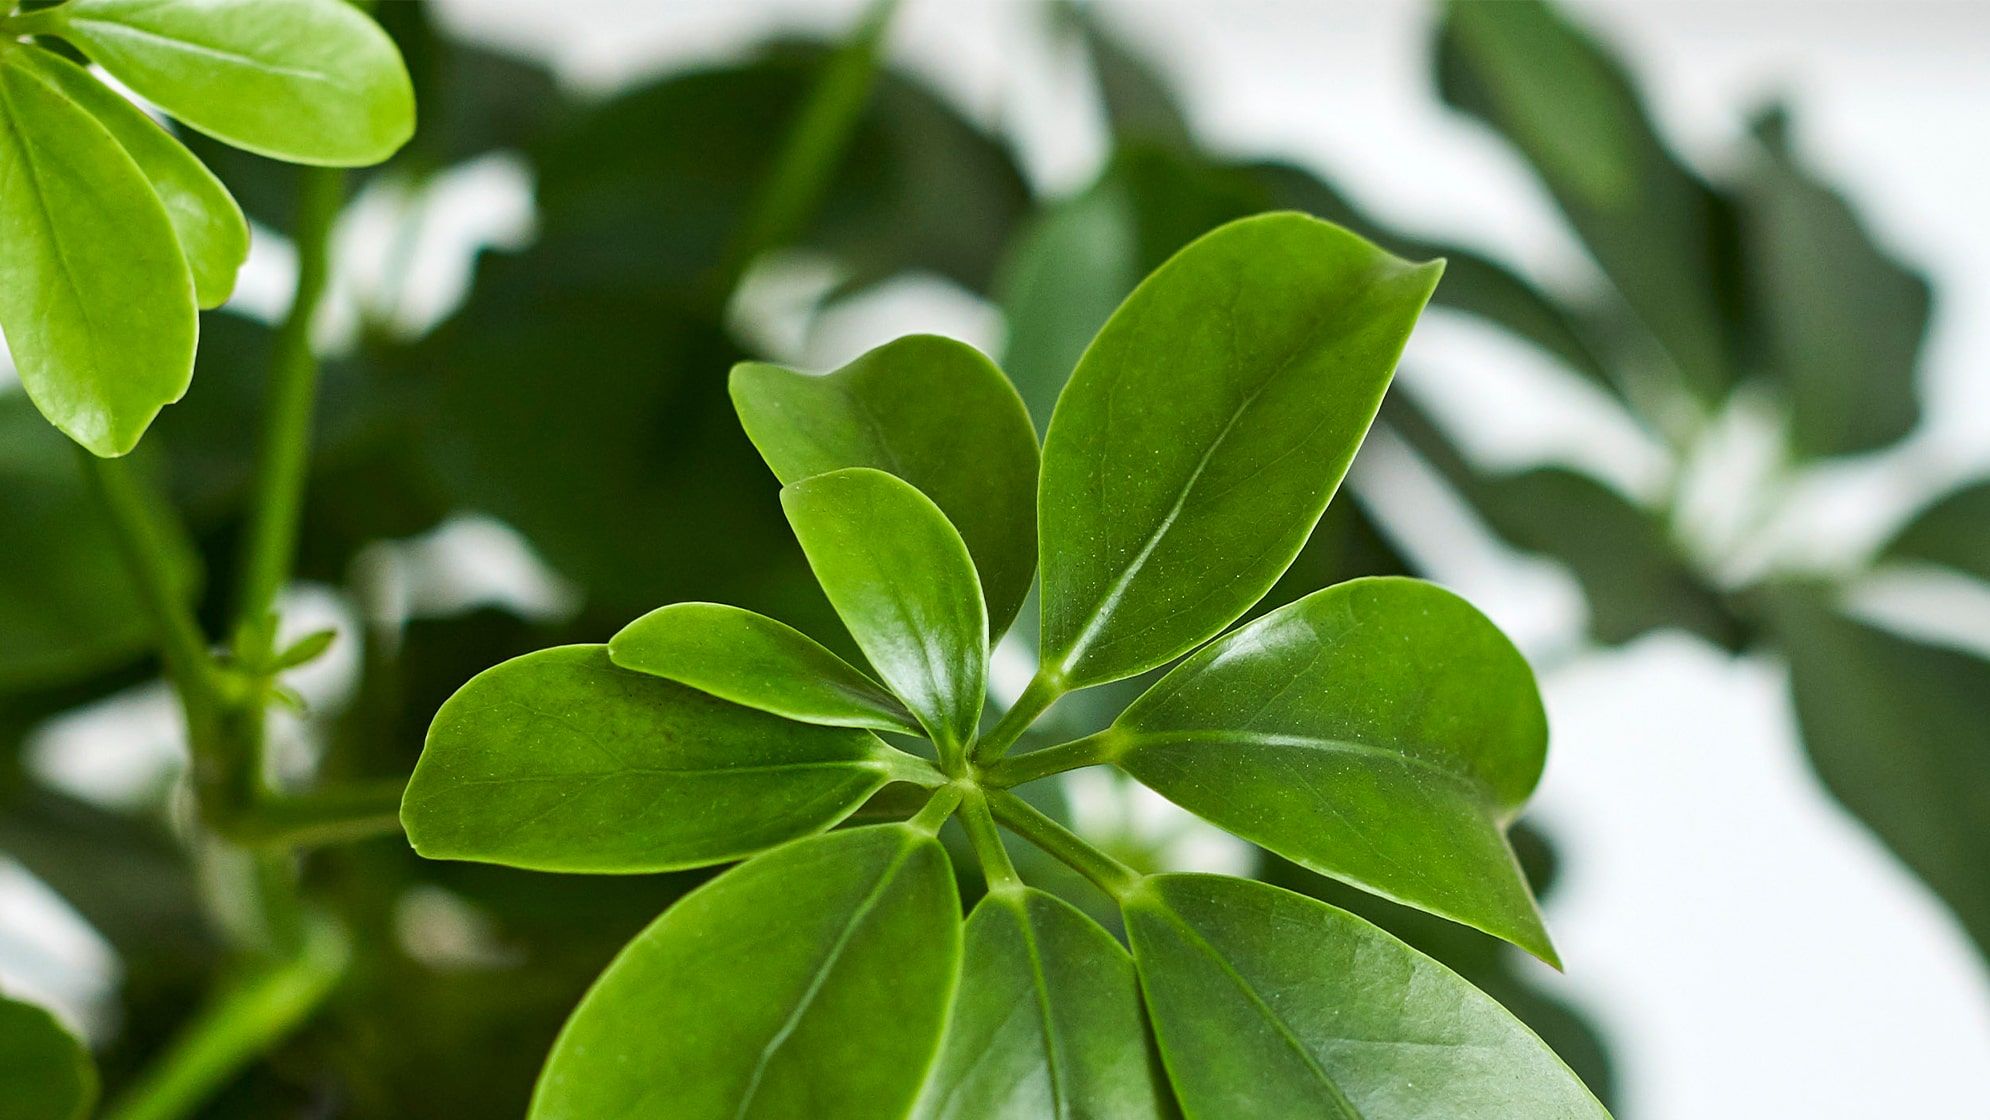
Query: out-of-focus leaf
[1355, 732]
[45, 1074]
[473, 98]
[84, 232]
[1953, 531]
[66, 602]
[1048, 1023]
[1897, 731]
[1632, 574]
[930, 410]
[812, 981]
[1664, 237]
[1140, 104]
[1271, 1005]
[1842, 319]
[1221, 403]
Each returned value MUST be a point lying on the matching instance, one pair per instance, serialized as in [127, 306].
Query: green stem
[144, 543]
[1026, 821]
[1024, 768]
[812, 150]
[242, 1023]
[1042, 691]
[285, 457]
[938, 808]
[979, 824]
[332, 815]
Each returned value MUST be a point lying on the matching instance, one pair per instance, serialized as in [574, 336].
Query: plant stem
[1024, 768]
[981, 833]
[285, 456]
[242, 1023]
[938, 808]
[1026, 821]
[1042, 691]
[331, 815]
[812, 150]
[144, 544]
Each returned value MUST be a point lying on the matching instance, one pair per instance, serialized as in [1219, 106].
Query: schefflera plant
[1382, 732]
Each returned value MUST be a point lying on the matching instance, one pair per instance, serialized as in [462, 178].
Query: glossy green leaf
[45, 1074]
[308, 81]
[902, 581]
[1048, 1023]
[1270, 1005]
[753, 660]
[1204, 431]
[212, 232]
[812, 981]
[96, 299]
[1954, 532]
[559, 761]
[1896, 729]
[930, 410]
[67, 607]
[1663, 237]
[1382, 732]
[1842, 320]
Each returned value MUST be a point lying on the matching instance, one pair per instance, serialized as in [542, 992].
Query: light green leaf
[902, 581]
[1381, 731]
[45, 1074]
[1048, 1023]
[213, 234]
[812, 981]
[1896, 729]
[754, 660]
[308, 81]
[559, 761]
[95, 296]
[1204, 431]
[930, 410]
[1269, 1005]
[1954, 532]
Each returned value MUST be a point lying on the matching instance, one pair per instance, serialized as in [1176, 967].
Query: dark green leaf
[1663, 237]
[212, 232]
[45, 1074]
[903, 582]
[1358, 732]
[1204, 432]
[1139, 103]
[1047, 1025]
[1843, 319]
[1269, 1004]
[66, 602]
[1896, 729]
[753, 660]
[930, 410]
[1954, 532]
[560, 761]
[95, 296]
[812, 981]
[309, 81]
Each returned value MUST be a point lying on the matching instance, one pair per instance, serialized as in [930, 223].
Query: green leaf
[930, 410]
[308, 81]
[67, 607]
[1269, 1004]
[753, 660]
[903, 582]
[45, 1074]
[1048, 1023]
[1661, 234]
[1895, 728]
[812, 981]
[95, 296]
[1358, 732]
[1954, 532]
[559, 761]
[1843, 320]
[1203, 433]
[212, 232]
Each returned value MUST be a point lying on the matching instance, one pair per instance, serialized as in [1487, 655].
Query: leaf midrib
[1137, 739]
